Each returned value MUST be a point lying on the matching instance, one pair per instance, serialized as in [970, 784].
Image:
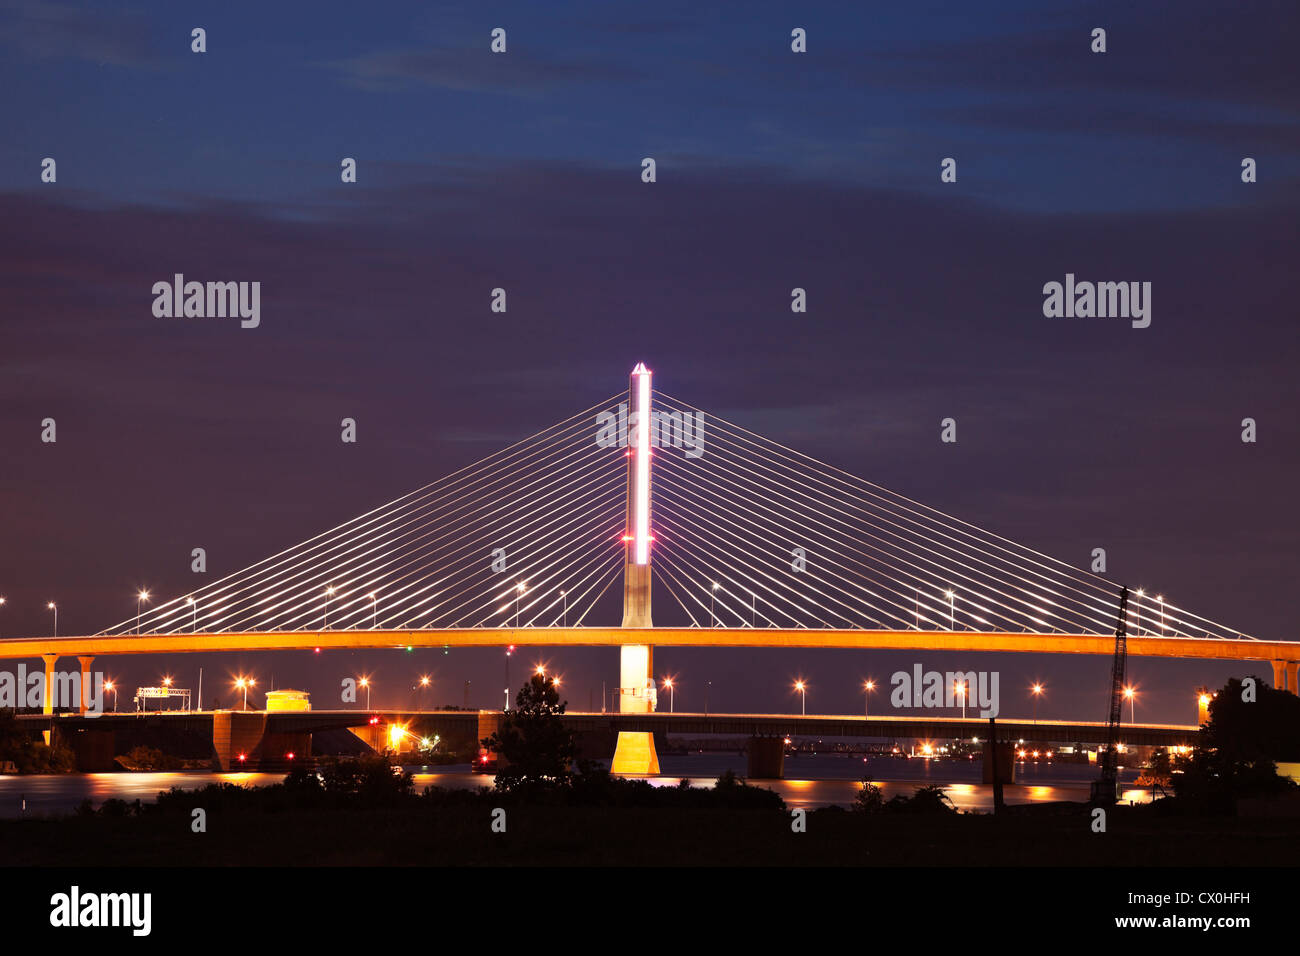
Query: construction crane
[1105, 790]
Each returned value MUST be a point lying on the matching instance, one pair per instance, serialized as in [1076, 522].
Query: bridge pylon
[635, 751]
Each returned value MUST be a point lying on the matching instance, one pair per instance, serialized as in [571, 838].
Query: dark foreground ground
[1055, 835]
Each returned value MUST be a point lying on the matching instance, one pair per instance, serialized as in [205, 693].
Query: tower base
[635, 753]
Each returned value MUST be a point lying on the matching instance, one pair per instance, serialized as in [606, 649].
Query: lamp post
[708, 685]
[867, 687]
[194, 623]
[374, 609]
[112, 688]
[1130, 693]
[713, 597]
[55, 608]
[2, 602]
[329, 593]
[1161, 601]
[519, 591]
[1037, 691]
[802, 688]
[243, 683]
[960, 687]
[565, 594]
[142, 597]
[365, 682]
[509, 650]
[952, 609]
[424, 682]
[668, 683]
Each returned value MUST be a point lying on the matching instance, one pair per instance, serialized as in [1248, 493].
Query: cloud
[39, 30]
[474, 70]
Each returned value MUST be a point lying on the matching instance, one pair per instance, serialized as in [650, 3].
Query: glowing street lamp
[243, 683]
[329, 593]
[1037, 691]
[194, 625]
[142, 597]
[952, 609]
[2, 602]
[111, 687]
[565, 595]
[867, 687]
[1130, 694]
[713, 597]
[802, 688]
[520, 589]
[960, 687]
[365, 682]
[55, 608]
[374, 609]
[509, 650]
[668, 685]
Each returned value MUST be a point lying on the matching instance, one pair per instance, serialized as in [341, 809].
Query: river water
[811, 781]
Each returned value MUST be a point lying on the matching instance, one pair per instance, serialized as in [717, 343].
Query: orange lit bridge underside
[1000, 642]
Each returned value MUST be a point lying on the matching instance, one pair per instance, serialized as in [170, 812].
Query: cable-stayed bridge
[752, 544]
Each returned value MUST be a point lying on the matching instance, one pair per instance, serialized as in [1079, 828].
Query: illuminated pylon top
[639, 473]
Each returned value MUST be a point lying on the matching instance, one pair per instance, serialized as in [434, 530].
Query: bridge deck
[991, 641]
[812, 725]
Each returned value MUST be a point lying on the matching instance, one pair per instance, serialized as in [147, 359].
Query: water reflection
[811, 782]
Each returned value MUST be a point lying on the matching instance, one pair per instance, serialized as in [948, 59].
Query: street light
[1037, 691]
[329, 593]
[509, 650]
[960, 687]
[802, 688]
[194, 626]
[243, 683]
[519, 591]
[1130, 694]
[668, 683]
[713, 597]
[110, 686]
[565, 595]
[365, 682]
[952, 609]
[867, 687]
[374, 609]
[1161, 601]
[2, 602]
[54, 607]
[143, 596]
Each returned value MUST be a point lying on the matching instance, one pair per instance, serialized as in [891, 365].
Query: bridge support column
[1291, 674]
[47, 704]
[84, 703]
[635, 751]
[1279, 675]
[766, 758]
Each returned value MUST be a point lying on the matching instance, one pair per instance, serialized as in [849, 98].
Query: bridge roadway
[452, 723]
[991, 641]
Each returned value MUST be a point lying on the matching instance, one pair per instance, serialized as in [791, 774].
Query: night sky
[774, 170]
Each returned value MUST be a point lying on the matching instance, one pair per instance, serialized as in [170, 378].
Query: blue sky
[775, 170]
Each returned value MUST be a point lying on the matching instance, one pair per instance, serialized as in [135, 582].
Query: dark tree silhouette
[1239, 745]
[535, 749]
